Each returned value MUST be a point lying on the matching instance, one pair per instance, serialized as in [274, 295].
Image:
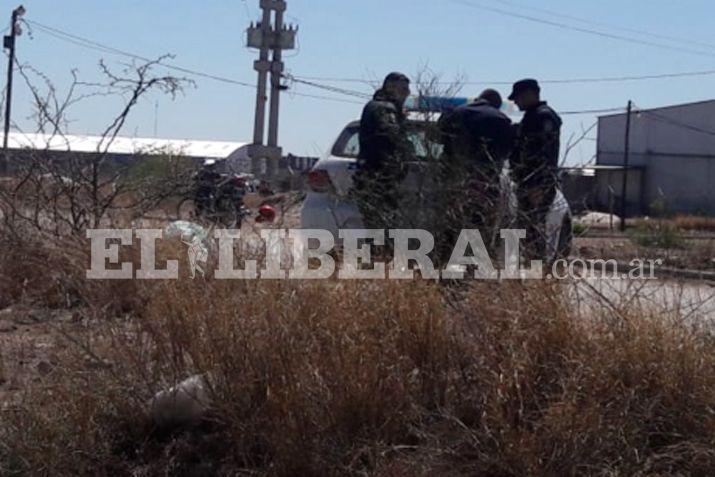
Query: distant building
[672, 160]
[233, 156]
[126, 149]
[578, 185]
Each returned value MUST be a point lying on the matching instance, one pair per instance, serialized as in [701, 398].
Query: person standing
[535, 162]
[384, 151]
[478, 139]
[207, 180]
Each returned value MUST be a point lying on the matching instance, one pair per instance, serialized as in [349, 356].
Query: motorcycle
[218, 201]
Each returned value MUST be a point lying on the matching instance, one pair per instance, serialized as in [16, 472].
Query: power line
[63, 35]
[249, 17]
[326, 98]
[614, 79]
[592, 111]
[605, 79]
[347, 92]
[80, 41]
[86, 43]
[74, 42]
[674, 122]
[365, 96]
[607, 25]
[589, 31]
[108, 49]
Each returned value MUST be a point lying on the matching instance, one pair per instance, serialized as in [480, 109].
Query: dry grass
[691, 255]
[3, 373]
[684, 223]
[693, 222]
[355, 378]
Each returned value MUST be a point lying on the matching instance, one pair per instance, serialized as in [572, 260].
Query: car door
[416, 190]
[420, 195]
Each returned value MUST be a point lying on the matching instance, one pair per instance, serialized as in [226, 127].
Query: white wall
[652, 134]
[679, 162]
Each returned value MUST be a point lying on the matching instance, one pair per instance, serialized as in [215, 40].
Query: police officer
[478, 139]
[384, 150]
[479, 136]
[534, 163]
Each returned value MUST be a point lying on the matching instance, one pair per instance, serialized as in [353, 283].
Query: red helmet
[266, 213]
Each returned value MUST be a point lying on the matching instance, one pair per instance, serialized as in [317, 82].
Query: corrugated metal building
[122, 149]
[672, 160]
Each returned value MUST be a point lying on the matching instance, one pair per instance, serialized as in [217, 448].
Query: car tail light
[319, 180]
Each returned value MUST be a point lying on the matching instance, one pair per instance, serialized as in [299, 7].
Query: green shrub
[657, 234]
[158, 169]
[579, 229]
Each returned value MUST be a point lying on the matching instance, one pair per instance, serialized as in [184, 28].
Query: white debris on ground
[183, 405]
[185, 229]
[597, 220]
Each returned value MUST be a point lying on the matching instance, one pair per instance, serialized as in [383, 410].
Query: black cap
[395, 77]
[524, 85]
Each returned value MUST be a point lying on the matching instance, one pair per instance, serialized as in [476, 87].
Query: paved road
[678, 299]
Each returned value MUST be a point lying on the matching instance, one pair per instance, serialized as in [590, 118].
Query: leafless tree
[56, 190]
[575, 140]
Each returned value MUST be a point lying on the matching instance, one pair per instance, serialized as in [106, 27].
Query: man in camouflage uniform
[384, 150]
[535, 162]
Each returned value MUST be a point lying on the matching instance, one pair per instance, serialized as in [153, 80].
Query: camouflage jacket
[384, 145]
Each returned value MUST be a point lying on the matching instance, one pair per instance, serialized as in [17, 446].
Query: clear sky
[366, 39]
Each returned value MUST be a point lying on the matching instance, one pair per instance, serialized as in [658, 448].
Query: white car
[328, 205]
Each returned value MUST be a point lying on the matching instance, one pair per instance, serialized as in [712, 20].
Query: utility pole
[267, 37]
[9, 43]
[626, 160]
[276, 75]
[262, 65]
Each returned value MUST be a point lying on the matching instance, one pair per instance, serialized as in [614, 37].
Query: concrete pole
[276, 75]
[262, 66]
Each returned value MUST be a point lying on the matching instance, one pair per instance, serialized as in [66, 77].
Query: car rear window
[348, 144]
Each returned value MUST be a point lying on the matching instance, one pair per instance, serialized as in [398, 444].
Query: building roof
[664, 108]
[605, 167]
[125, 145]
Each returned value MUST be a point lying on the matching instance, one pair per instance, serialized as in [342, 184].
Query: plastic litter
[183, 405]
[186, 230]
